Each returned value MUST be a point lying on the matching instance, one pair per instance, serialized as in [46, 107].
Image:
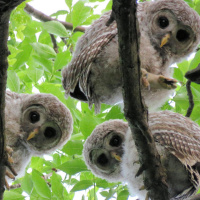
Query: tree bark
[5, 10]
[135, 111]
[45, 18]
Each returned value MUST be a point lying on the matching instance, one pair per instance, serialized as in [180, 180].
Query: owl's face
[46, 122]
[104, 148]
[174, 27]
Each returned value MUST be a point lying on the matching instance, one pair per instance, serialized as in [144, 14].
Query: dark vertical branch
[5, 10]
[190, 96]
[134, 109]
[4, 22]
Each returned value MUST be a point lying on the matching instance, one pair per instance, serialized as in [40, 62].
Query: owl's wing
[187, 150]
[77, 73]
[181, 137]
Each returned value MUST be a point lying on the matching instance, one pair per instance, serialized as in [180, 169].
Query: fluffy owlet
[35, 124]
[169, 31]
[110, 153]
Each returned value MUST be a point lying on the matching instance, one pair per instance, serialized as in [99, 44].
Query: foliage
[34, 66]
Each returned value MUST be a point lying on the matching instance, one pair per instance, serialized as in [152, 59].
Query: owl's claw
[167, 83]
[154, 81]
[8, 163]
[145, 82]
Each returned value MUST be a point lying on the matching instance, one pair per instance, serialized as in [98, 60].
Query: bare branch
[134, 109]
[190, 96]
[55, 46]
[44, 18]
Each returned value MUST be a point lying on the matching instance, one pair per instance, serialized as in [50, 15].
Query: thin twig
[44, 18]
[190, 96]
[55, 46]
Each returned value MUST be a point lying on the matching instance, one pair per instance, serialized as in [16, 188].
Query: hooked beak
[116, 156]
[164, 40]
[33, 133]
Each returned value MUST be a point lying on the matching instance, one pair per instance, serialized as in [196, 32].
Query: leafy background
[34, 66]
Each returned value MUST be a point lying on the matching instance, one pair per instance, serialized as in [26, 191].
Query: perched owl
[169, 31]
[35, 124]
[110, 153]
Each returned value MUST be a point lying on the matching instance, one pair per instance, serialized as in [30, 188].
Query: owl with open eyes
[35, 124]
[169, 31]
[110, 153]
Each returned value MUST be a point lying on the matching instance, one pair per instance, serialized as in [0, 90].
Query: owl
[110, 153]
[35, 124]
[169, 31]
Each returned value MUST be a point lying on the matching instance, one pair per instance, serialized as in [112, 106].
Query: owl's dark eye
[102, 159]
[34, 117]
[115, 141]
[182, 35]
[49, 132]
[163, 22]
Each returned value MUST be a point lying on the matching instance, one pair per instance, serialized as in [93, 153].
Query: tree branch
[55, 46]
[134, 109]
[44, 18]
[5, 10]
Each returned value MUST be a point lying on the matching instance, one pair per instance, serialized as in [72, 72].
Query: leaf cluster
[35, 66]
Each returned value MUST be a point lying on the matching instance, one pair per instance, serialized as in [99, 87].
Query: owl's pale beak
[116, 156]
[33, 133]
[164, 40]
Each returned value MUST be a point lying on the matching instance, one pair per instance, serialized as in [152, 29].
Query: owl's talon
[145, 81]
[8, 163]
[167, 83]
[7, 185]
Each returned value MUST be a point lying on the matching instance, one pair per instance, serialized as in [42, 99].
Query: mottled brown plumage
[177, 141]
[169, 31]
[35, 124]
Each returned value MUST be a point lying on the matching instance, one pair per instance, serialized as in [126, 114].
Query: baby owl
[35, 124]
[110, 153]
[169, 31]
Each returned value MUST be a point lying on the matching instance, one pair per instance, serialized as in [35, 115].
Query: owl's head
[46, 122]
[173, 27]
[103, 150]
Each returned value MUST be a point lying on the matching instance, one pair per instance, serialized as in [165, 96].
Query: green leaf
[56, 186]
[40, 185]
[178, 75]
[35, 74]
[73, 147]
[100, 183]
[27, 184]
[51, 88]
[23, 56]
[47, 64]
[123, 195]
[10, 195]
[69, 3]
[87, 125]
[80, 13]
[56, 28]
[104, 193]
[44, 50]
[59, 12]
[13, 81]
[115, 113]
[74, 166]
[82, 185]
[62, 59]
[195, 62]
